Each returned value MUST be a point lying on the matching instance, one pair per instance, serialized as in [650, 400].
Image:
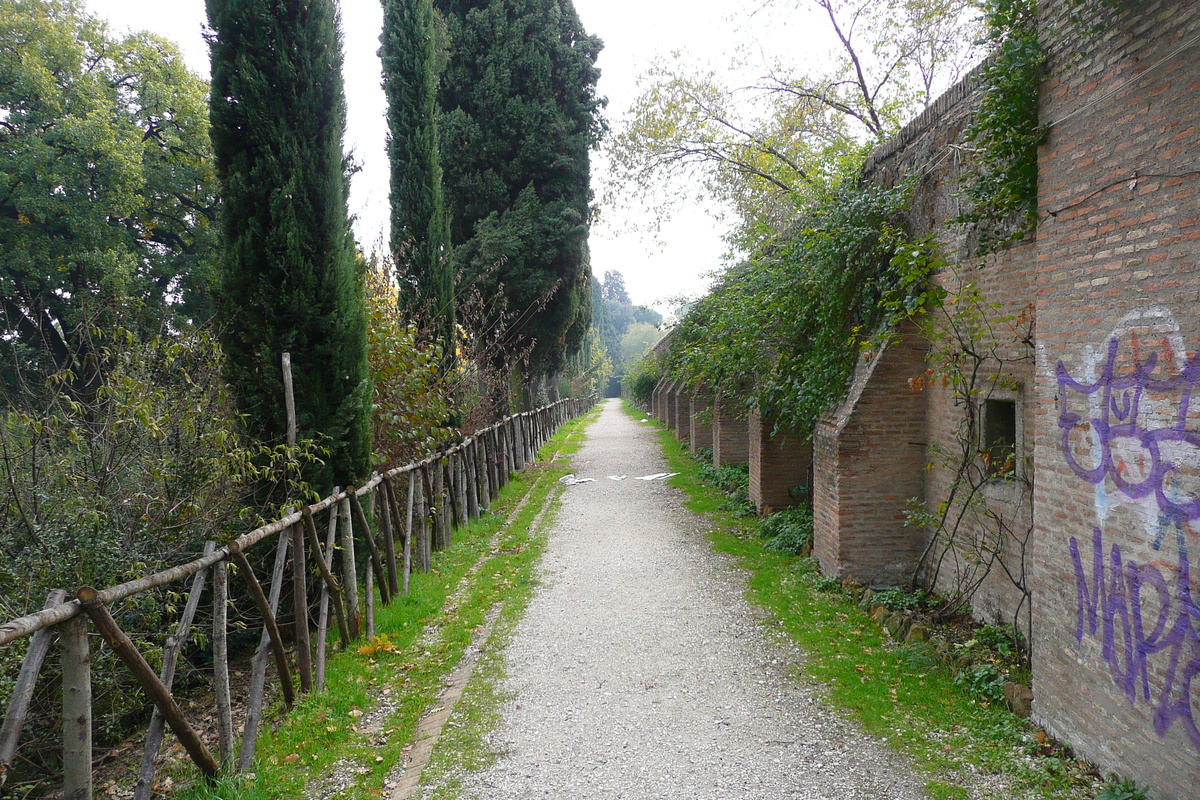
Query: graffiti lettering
[1118, 602]
[1140, 424]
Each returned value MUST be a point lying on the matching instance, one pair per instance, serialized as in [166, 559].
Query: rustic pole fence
[444, 491]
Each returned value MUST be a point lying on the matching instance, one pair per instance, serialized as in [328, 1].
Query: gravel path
[639, 670]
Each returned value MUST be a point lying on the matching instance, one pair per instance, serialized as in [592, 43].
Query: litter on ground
[571, 480]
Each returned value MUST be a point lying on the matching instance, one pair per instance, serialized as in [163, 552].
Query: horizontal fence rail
[416, 509]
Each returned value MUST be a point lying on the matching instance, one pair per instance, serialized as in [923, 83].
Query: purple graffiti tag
[1112, 603]
[1123, 414]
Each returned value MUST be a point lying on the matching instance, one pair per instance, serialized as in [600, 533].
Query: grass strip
[968, 746]
[298, 753]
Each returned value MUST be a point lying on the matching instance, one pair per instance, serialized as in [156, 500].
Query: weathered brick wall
[869, 458]
[779, 465]
[669, 407]
[683, 413]
[729, 432]
[700, 434]
[1117, 650]
[990, 522]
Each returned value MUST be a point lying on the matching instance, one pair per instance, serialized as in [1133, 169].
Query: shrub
[788, 530]
[115, 483]
[982, 679]
[640, 379]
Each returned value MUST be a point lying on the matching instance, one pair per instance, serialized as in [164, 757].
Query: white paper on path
[658, 476]
[571, 480]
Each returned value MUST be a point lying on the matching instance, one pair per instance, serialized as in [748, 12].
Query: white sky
[634, 33]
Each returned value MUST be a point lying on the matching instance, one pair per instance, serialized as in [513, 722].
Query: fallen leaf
[291, 758]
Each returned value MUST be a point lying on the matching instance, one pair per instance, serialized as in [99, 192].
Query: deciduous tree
[107, 192]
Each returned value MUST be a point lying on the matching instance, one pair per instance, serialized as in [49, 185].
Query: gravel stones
[639, 670]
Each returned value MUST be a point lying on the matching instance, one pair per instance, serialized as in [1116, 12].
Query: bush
[897, 599]
[113, 481]
[982, 679]
[734, 481]
[409, 410]
[788, 530]
[640, 379]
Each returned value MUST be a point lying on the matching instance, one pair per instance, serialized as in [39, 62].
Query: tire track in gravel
[640, 671]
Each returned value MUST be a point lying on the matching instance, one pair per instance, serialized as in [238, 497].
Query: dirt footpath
[639, 670]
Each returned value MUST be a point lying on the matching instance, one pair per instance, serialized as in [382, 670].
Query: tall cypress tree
[419, 236]
[519, 117]
[290, 278]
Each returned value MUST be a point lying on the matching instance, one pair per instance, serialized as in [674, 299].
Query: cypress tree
[290, 278]
[419, 237]
[519, 117]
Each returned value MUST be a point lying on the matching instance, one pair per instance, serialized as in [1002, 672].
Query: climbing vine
[984, 521]
[1005, 133]
[790, 322]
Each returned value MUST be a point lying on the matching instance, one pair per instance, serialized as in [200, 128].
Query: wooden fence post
[472, 480]
[77, 709]
[331, 583]
[349, 568]
[360, 517]
[268, 642]
[387, 523]
[323, 613]
[300, 609]
[174, 644]
[151, 685]
[408, 531]
[221, 664]
[518, 443]
[483, 473]
[22, 694]
[461, 514]
[441, 538]
[422, 560]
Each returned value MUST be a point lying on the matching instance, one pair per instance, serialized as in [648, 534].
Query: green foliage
[896, 598]
[107, 192]
[290, 280]
[983, 679]
[788, 530]
[640, 379]
[734, 481]
[1115, 788]
[1005, 132]
[519, 115]
[628, 331]
[410, 408]
[123, 486]
[419, 236]
[791, 321]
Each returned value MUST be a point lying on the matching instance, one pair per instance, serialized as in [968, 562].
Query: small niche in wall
[1000, 439]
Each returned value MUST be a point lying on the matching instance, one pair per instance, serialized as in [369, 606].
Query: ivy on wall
[1005, 132]
[785, 328]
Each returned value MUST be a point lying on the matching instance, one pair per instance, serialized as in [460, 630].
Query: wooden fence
[416, 507]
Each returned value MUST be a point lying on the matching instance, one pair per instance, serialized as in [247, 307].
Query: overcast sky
[634, 33]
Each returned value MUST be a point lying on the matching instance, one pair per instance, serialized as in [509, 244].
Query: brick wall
[868, 461]
[683, 413]
[1118, 418]
[779, 465]
[700, 436]
[669, 407]
[729, 432]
